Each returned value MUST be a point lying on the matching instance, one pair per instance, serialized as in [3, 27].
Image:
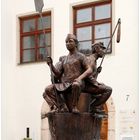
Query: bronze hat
[101, 44]
[72, 36]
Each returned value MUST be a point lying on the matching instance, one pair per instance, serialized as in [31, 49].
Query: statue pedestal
[69, 126]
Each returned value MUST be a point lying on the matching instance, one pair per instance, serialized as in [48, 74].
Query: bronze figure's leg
[105, 92]
[76, 89]
[50, 97]
[100, 95]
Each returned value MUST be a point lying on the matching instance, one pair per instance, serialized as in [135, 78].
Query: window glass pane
[102, 30]
[84, 33]
[42, 53]
[84, 15]
[28, 55]
[85, 47]
[47, 39]
[105, 41]
[28, 42]
[46, 22]
[102, 12]
[29, 25]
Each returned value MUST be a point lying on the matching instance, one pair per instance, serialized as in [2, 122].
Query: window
[34, 43]
[92, 23]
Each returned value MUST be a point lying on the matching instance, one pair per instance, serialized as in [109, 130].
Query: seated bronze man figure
[73, 69]
[99, 91]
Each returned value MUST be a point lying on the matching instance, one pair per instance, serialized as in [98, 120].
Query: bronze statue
[99, 92]
[73, 69]
[75, 74]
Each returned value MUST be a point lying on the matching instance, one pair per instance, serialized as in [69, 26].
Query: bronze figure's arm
[52, 67]
[84, 75]
[88, 70]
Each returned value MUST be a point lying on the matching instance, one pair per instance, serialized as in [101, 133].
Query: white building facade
[23, 83]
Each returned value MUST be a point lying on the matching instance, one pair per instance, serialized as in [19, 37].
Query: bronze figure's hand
[77, 81]
[49, 60]
[99, 69]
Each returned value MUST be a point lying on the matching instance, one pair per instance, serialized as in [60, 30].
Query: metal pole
[118, 23]
[44, 36]
[39, 6]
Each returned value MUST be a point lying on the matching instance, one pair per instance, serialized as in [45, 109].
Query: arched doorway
[104, 126]
[108, 124]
